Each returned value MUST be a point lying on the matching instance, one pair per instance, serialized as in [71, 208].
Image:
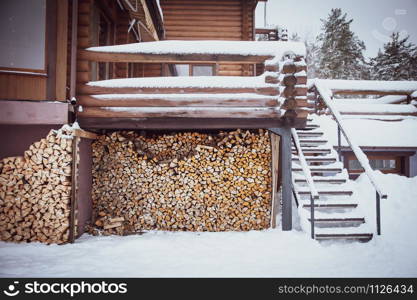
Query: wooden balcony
[277, 98]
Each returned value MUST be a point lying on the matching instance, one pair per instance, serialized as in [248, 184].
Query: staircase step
[319, 169]
[330, 181]
[331, 207]
[315, 151]
[360, 237]
[311, 141]
[310, 133]
[327, 192]
[338, 222]
[309, 127]
[318, 159]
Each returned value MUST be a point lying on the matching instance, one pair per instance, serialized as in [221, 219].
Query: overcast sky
[373, 20]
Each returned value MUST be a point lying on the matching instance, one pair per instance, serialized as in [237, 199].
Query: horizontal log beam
[178, 112]
[185, 123]
[141, 101]
[377, 113]
[170, 58]
[84, 89]
[368, 92]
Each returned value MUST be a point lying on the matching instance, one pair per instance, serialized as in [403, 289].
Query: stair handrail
[314, 195]
[327, 95]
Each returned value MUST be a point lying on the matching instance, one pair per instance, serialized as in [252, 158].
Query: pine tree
[341, 51]
[398, 60]
[312, 58]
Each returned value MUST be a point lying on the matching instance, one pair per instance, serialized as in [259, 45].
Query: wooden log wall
[85, 10]
[211, 20]
[181, 182]
[35, 192]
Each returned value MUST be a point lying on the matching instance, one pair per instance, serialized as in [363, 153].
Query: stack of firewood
[35, 191]
[181, 182]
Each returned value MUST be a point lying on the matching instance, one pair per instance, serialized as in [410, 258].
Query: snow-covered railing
[326, 95]
[371, 87]
[314, 195]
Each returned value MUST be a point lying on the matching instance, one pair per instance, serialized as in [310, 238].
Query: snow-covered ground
[269, 253]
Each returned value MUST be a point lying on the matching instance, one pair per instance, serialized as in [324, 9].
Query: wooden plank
[198, 27]
[204, 22]
[84, 134]
[22, 87]
[196, 12]
[275, 184]
[61, 49]
[96, 90]
[151, 101]
[286, 176]
[31, 113]
[169, 58]
[74, 187]
[368, 92]
[179, 112]
[204, 34]
[245, 21]
[182, 123]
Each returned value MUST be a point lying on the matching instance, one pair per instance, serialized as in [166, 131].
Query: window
[194, 70]
[386, 163]
[23, 35]
[203, 70]
[376, 164]
[101, 36]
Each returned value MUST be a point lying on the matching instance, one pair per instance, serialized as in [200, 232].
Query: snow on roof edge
[267, 48]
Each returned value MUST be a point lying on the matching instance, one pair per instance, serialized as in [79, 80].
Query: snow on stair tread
[334, 215]
[362, 229]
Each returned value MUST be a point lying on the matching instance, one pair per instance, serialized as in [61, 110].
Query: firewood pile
[35, 191]
[182, 182]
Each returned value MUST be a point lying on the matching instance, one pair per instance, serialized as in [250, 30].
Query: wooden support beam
[184, 123]
[170, 58]
[84, 134]
[179, 112]
[61, 51]
[84, 89]
[368, 92]
[286, 176]
[275, 203]
[152, 101]
[74, 187]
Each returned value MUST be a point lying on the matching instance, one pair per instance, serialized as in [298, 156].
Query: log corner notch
[290, 76]
[293, 89]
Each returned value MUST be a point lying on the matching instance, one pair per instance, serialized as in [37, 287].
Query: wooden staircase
[337, 215]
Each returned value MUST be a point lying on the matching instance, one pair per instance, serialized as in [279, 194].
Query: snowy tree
[398, 60]
[312, 58]
[341, 51]
[294, 37]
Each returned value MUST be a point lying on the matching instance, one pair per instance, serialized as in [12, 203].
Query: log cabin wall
[118, 21]
[231, 20]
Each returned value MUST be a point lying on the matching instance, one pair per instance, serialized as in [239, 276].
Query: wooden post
[286, 176]
[275, 174]
[61, 52]
[74, 27]
[74, 186]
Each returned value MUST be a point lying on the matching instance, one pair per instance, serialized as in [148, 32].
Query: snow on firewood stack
[182, 182]
[35, 191]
